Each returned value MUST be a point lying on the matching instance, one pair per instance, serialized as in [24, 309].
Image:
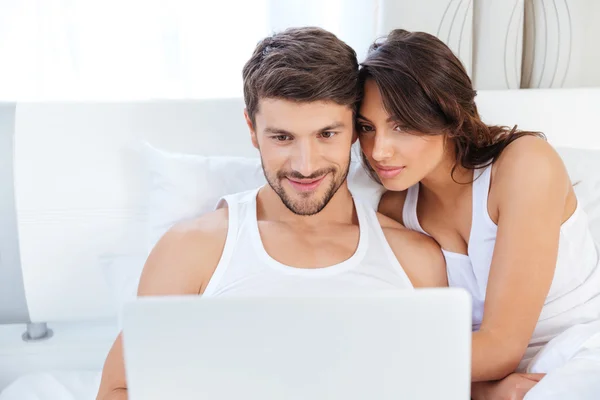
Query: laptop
[407, 345]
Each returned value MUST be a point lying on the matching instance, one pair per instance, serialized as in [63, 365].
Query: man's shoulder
[198, 236]
[184, 259]
[206, 225]
[399, 235]
[419, 255]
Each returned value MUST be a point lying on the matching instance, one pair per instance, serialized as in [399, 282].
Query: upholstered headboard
[72, 183]
[78, 194]
[13, 306]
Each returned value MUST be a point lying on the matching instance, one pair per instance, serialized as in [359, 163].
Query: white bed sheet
[59, 385]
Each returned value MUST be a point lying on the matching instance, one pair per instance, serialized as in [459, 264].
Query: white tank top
[574, 296]
[246, 269]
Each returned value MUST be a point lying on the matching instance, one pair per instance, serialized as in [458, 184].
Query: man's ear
[251, 128]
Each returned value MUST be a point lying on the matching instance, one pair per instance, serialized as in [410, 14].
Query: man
[303, 233]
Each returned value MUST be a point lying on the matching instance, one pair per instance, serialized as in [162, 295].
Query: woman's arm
[530, 190]
[391, 205]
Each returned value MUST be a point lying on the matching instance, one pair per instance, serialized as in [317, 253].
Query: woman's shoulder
[529, 163]
[529, 156]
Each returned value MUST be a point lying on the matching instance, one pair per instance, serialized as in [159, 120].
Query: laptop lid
[409, 345]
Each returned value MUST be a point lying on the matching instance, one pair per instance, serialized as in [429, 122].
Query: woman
[500, 204]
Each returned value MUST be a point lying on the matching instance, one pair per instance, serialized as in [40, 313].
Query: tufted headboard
[71, 183]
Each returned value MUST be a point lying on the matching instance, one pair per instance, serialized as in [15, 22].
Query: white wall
[561, 48]
[510, 44]
[497, 44]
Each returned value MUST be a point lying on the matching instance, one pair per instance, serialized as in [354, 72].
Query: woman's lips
[388, 172]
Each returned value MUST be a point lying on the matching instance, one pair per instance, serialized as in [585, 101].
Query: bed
[89, 188]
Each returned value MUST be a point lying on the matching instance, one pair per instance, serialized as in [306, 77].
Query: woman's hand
[514, 387]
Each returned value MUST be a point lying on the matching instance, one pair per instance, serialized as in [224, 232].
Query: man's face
[305, 150]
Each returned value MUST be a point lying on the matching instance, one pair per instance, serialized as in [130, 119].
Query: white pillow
[583, 166]
[122, 274]
[183, 186]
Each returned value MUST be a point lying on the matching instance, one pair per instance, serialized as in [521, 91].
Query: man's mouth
[305, 185]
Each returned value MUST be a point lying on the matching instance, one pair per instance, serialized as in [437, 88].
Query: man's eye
[281, 138]
[328, 135]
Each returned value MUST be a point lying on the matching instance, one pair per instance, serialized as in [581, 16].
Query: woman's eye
[365, 128]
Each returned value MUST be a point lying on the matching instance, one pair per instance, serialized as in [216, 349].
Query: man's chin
[303, 195]
[305, 210]
[305, 203]
[302, 201]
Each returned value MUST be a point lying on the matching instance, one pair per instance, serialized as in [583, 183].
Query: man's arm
[182, 262]
[419, 255]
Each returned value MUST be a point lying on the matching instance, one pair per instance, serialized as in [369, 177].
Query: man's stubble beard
[302, 208]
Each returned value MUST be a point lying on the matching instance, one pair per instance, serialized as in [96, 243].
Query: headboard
[78, 190]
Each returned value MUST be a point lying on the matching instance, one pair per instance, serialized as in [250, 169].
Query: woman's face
[400, 158]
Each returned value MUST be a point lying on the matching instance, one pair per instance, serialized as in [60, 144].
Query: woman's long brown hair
[425, 87]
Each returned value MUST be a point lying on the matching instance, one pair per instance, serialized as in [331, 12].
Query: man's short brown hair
[301, 64]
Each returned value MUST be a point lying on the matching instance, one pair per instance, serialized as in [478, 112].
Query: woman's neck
[443, 185]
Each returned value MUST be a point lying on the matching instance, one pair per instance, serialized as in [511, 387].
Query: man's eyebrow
[279, 131]
[332, 127]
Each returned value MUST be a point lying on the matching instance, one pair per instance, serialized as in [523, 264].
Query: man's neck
[340, 209]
